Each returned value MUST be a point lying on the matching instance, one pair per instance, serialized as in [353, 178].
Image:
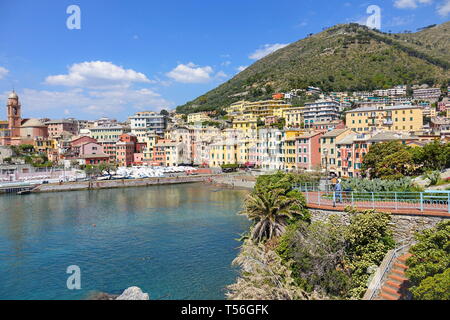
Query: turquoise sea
[175, 242]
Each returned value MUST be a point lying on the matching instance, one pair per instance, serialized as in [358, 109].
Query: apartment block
[397, 118]
[198, 117]
[320, 111]
[150, 121]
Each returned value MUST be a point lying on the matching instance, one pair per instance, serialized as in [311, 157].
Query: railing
[385, 267]
[414, 201]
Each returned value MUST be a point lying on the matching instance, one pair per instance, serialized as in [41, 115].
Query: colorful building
[396, 118]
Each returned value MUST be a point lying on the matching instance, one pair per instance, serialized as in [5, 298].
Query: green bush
[380, 185]
[433, 176]
[434, 288]
[332, 258]
[430, 257]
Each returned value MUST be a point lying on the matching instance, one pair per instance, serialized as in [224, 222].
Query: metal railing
[415, 201]
[384, 269]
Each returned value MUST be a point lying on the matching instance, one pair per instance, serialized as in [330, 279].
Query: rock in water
[133, 293]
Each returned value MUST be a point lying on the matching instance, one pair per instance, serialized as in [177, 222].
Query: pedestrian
[338, 189]
[333, 183]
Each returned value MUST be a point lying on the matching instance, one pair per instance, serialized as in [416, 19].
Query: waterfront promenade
[435, 203]
[125, 183]
[410, 203]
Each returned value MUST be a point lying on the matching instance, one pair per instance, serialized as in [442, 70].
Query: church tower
[14, 117]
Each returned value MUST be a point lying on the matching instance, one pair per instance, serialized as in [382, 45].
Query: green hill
[346, 57]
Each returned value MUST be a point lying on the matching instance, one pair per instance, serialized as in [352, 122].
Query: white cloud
[241, 68]
[266, 50]
[191, 73]
[410, 4]
[400, 21]
[97, 74]
[3, 72]
[81, 102]
[444, 8]
[221, 74]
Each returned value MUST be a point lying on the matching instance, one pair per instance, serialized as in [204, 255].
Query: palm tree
[270, 210]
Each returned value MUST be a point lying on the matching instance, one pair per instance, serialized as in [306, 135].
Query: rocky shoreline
[132, 293]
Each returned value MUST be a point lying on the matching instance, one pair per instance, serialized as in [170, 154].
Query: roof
[308, 135]
[391, 136]
[167, 144]
[440, 121]
[107, 128]
[90, 156]
[334, 133]
[369, 109]
[33, 123]
[348, 139]
[13, 95]
[59, 122]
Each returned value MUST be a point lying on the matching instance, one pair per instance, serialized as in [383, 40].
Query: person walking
[338, 191]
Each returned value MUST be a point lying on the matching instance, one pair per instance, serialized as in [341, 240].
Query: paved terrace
[411, 203]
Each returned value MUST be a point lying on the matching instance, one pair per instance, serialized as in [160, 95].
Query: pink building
[57, 127]
[308, 150]
[125, 149]
[138, 159]
[81, 140]
[91, 148]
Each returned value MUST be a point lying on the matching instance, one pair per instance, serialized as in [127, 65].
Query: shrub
[332, 258]
[379, 185]
[434, 288]
[433, 176]
[430, 257]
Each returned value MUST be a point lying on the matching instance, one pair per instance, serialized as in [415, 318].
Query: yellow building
[289, 150]
[107, 133]
[264, 108]
[151, 140]
[223, 152]
[44, 145]
[294, 117]
[246, 125]
[395, 118]
[198, 117]
[237, 108]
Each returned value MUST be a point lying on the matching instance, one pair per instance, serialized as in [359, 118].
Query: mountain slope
[345, 57]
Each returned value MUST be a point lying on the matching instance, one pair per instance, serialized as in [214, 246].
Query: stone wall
[403, 226]
[110, 184]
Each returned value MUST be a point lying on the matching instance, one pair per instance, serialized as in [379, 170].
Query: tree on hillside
[164, 112]
[388, 160]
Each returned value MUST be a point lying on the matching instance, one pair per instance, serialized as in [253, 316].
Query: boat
[22, 192]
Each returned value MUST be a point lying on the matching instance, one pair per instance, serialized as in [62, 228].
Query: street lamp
[325, 153]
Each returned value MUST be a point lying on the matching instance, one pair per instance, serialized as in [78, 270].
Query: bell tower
[14, 116]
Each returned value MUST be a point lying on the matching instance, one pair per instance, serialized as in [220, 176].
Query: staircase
[396, 285]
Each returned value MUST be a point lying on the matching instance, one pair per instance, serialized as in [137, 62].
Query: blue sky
[147, 55]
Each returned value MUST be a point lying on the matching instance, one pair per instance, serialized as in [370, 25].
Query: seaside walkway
[435, 203]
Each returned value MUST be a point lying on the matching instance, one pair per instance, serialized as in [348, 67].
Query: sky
[118, 57]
